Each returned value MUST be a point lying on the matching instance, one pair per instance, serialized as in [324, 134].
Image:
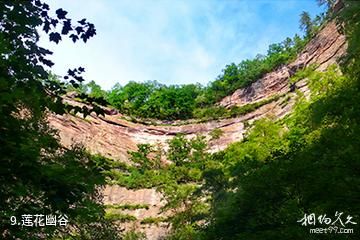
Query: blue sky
[173, 41]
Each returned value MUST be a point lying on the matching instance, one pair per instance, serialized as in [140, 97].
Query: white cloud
[167, 40]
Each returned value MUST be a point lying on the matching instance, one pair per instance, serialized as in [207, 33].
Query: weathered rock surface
[324, 49]
[116, 194]
[112, 136]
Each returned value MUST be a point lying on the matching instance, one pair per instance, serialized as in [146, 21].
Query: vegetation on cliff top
[255, 189]
[263, 186]
[158, 101]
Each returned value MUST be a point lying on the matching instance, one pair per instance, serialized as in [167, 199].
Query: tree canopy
[37, 174]
[258, 188]
[264, 186]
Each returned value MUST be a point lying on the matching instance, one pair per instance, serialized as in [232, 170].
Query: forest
[256, 188]
[158, 101]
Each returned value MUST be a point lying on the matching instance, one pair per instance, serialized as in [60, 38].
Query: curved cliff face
[324, 49]
[112, 136]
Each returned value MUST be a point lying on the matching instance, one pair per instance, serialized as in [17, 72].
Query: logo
[323, 224]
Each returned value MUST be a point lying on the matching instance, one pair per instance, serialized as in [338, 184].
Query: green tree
[38, 175]
[350, 18]
[328, 3]
[283, 170]
[306, 23]
[305, 163]
[95, 90]
[132, 97]
[216, 134]
[179, 150]
[146, 157]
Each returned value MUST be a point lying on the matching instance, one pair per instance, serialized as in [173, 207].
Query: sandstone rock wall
[324, 49]
[112, 136]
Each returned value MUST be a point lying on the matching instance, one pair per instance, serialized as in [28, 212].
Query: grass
[153, 220]
[285, 101]
[208, 114]
[216, 113]
[127, 206]
[121, 217]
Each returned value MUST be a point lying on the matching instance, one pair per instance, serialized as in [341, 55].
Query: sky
[172, 41]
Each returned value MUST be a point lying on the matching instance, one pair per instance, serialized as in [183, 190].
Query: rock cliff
[112, 136]
[323, 50]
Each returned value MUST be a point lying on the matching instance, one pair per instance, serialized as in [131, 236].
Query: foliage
[306, 23]
[128, 206]
[134, 235]
[94, 90]
[120, 217]
[328, 3]
[143, 159]
[179, 150]
[302, 74]
[130, 98]
[255, 189]
[37, 175]
[349, 19]
[219, 112]
[154, 100]
[248, 71]
[259, 188]
[152, 220]
[303, 164]
[188, 156]
[216, 134]
[179, 181]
